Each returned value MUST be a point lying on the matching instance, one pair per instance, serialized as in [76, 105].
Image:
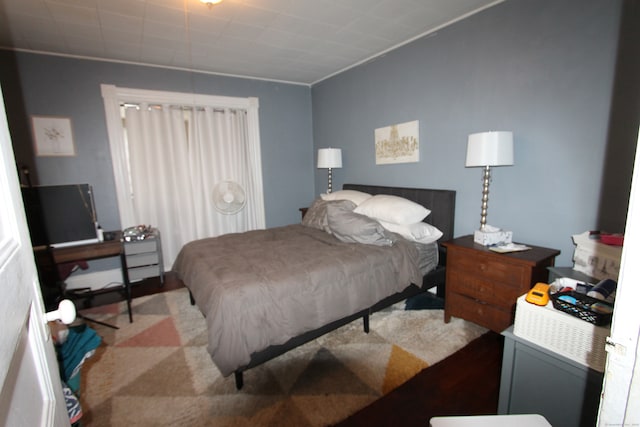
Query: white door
[621, 390]
[31, 393]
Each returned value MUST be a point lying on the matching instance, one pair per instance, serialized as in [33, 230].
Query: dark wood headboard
[441, 203]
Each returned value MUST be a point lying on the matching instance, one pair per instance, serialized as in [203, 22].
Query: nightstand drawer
[142, 246]
[479, 312]
[490, 268]
[139, 273]
[481, 289]
[142, 259]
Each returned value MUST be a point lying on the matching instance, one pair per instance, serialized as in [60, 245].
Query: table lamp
[329, 158]
[486, 149]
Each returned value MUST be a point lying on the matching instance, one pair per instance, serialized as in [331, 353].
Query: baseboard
[95, 280]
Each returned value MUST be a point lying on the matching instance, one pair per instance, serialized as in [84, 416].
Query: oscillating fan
[228, 197]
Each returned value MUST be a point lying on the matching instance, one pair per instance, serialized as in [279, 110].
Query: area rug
[156, 371]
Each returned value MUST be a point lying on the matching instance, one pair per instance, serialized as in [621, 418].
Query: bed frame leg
[239, 379]
[365, 321]
[193, 301]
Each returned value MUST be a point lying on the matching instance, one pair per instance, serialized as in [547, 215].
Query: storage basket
[561, 333]
[584, 307]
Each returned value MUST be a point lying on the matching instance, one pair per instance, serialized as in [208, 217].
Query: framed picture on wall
[397, 143]
[53, 136]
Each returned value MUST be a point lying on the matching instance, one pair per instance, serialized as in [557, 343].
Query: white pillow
[420, 232]
[355, 196]
[394, 209]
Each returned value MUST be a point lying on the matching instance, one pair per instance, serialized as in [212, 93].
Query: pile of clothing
[74, 345]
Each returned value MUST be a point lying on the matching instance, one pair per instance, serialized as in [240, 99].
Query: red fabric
[65, 269]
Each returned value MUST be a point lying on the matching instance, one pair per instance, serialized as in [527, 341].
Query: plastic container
[584, 307]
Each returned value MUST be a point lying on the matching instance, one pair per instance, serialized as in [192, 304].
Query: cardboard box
[596, 259]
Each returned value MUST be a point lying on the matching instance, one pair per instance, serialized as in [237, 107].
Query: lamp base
[492, 236]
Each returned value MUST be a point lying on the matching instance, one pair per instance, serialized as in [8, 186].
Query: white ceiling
[299, 41]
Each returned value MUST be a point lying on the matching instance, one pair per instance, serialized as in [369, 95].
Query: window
[168, 153]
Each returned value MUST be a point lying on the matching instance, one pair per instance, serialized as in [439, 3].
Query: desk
[108, 248]
[88, 251]
[524, 420]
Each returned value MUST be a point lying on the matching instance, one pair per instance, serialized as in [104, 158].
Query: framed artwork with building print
[53, 136]
[397, 143]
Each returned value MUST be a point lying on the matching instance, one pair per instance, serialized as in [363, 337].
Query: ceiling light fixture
[211, 3]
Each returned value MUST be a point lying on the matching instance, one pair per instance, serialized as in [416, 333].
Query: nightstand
[537, 380]
[144, 258]
[482, 286]
[569, 272]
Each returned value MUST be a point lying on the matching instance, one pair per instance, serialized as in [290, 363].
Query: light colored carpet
[156, 371]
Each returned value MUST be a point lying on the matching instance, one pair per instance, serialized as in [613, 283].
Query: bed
[264, 292]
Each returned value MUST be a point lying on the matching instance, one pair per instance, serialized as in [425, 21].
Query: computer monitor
[60, 215]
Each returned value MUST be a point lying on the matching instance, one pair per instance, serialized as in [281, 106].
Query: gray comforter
[263, 287]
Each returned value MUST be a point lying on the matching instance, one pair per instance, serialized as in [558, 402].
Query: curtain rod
[183, 107]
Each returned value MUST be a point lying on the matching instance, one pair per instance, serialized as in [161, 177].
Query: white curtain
[175, 155]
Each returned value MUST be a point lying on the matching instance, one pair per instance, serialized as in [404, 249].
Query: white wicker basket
[562, 333]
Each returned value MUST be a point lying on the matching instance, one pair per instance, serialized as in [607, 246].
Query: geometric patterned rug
[156, 371]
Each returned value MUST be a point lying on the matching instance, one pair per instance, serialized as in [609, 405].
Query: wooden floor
[466, 383]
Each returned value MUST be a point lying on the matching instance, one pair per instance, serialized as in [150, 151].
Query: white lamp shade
[330, 158]
[490, 149]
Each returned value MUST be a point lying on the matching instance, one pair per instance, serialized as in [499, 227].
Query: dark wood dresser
[482, 286]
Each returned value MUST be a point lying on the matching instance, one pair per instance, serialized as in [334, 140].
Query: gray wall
[50, 85]
[542, 69]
